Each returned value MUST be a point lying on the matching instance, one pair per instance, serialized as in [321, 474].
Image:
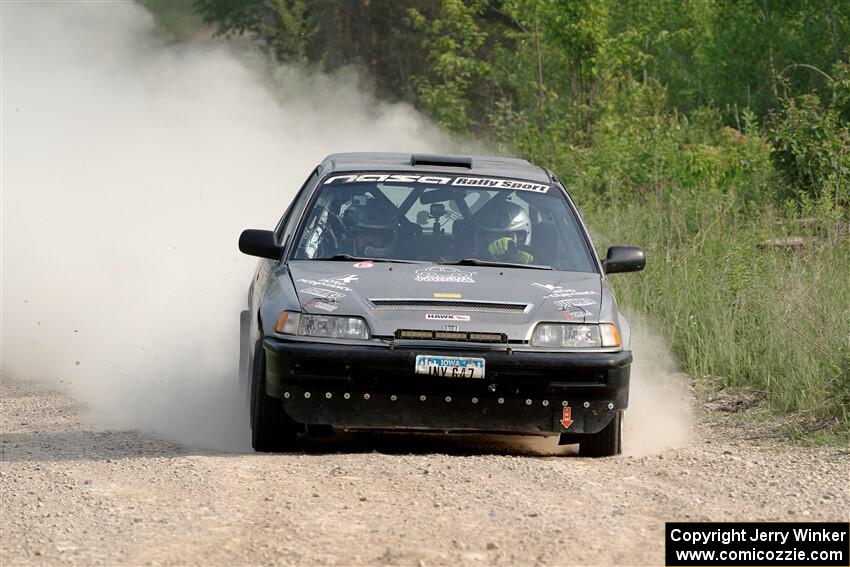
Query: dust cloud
[660, 414]
[130, 164]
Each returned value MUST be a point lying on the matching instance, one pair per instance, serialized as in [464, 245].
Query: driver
[504, 231]
[374, 226]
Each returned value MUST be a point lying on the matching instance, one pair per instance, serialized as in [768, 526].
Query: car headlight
[328, 326]
[568, 335]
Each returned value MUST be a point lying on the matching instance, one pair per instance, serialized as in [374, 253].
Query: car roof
[480, 165]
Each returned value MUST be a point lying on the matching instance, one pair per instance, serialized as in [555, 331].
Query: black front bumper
[368, 387]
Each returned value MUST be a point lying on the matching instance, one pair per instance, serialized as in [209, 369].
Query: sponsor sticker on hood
[328, 294]
[446, 317]
[339, 282]
[559, 291]
[444, 274]
[322, 304]
[574, 302]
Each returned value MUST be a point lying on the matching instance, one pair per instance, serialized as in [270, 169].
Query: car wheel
[271, 428]
[607, 442]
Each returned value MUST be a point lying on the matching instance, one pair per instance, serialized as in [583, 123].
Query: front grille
[463, 336]
[451, 305]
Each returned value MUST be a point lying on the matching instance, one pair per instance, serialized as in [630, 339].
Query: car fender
[278, 296]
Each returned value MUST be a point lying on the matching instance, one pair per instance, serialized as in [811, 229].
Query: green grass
[807, 438]
[772, 321]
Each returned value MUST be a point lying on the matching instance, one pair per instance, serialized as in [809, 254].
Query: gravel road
[75, 495]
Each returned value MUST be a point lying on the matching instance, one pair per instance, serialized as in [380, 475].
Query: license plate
[450, 366]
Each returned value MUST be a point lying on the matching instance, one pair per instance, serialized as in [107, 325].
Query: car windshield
[443, 218]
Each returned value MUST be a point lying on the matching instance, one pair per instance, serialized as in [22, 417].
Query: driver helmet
[503, 219]
[373, 225]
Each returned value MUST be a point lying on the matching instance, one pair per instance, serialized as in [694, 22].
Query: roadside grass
[770, 320]
[821, 438]
[748, 410]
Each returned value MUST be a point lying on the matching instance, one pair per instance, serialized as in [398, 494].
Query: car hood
[393, 296]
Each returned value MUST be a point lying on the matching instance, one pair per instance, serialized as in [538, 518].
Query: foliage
[280, 24]
[377, 35]
[452, 41]
[812, 142]
[179, 18]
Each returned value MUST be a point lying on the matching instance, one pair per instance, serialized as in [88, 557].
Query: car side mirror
[624, 259]
[262, 243]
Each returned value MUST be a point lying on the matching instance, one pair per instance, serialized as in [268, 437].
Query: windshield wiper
[477, 262]
[350, 258]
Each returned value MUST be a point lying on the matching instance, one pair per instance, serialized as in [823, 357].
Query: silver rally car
[434, 293]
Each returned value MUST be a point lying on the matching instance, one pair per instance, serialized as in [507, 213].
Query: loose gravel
[72, 495]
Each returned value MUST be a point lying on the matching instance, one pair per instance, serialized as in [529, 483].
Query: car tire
[271, 428]
[606, 443]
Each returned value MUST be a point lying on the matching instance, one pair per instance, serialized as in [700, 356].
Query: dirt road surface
[72, 495]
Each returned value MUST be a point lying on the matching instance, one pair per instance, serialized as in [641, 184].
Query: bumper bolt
[587, 404]
[501, 400]
[328, 395]
[422, 398]
[286, 395]
[528, 402]
[307, 395]
[448, 399]
[366, 396]
[610, 405]
[346, 395]
[565, 403]
[393, 397]
[474, 400]
[545, 403]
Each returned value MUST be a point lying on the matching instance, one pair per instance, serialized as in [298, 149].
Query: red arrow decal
[567, 420]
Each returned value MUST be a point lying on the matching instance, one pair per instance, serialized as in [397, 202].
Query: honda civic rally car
[434, 293]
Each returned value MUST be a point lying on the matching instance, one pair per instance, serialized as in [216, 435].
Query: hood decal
[574, 302]
[444, 295]
[339, 282]
[446, 317]
[444, 274]
[323, 304]
[327, 294]
[574, 315]
[559, 291]
[572, 306]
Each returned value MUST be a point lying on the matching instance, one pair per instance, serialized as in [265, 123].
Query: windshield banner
[457, 180]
